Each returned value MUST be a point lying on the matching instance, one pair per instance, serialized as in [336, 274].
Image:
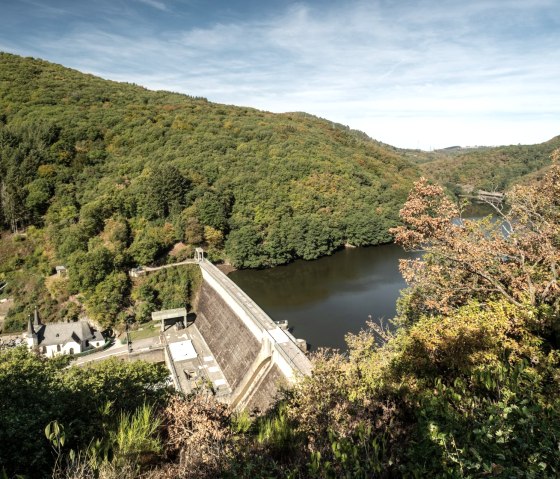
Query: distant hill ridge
[488, 168]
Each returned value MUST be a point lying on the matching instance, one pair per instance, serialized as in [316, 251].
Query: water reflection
[324, 299]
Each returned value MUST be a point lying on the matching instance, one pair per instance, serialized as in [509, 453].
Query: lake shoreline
[326, 298]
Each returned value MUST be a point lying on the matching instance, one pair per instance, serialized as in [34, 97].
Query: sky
[415, 74]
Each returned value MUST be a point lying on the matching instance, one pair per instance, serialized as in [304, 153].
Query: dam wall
[256, 356]
[234, 346]
[265, 390]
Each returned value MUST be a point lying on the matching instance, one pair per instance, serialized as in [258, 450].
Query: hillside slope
[488, 168]
[115, 175]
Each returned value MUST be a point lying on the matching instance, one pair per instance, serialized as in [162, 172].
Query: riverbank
[326, 298]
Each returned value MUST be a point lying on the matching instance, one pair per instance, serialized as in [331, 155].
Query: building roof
[182, 350]
[60, 333]
[36, 319]
[97, 336]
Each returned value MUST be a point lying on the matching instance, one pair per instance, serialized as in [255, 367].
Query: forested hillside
[487, 168]
[467, 387]
[102, 176]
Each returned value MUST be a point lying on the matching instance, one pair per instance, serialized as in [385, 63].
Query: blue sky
[417, 74]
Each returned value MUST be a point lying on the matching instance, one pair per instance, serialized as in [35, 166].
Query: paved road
[119, 349]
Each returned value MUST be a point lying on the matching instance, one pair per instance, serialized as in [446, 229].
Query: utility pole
[128, 341]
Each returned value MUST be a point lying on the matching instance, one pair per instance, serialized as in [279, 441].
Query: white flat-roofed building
[182, 350]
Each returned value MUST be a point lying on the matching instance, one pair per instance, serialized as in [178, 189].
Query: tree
[314, 235]
[30, 398]
[93, 216]
[164, 192]
[171, 287]
[116, 237]
[146, 246]
[194, 231]
[117, 232]
[213, 237]
[88, 269]
[13, 203]
[213, 210]
[515, 257]
[39, 193]
[243, 247]
[109, 298]
[72, 239]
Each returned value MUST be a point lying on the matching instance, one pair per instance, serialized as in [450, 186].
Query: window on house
[58, 347]
[71, 350]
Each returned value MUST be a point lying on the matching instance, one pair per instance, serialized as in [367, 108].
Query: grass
[147, 331]
[137, 433]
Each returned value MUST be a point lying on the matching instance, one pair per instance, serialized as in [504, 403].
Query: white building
[61, 338]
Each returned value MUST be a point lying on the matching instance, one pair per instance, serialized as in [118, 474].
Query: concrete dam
[233, 346]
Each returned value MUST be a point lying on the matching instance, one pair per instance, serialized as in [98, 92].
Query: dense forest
[468, 386]
[463, 170]
[101, 176]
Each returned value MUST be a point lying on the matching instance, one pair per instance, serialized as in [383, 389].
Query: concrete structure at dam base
[232, 348]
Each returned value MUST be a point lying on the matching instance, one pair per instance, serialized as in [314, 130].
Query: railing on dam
[170, 363]
[262, 325]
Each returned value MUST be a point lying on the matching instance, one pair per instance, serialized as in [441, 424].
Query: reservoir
[329, 297]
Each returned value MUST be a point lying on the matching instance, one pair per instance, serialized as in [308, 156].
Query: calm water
[326, 298]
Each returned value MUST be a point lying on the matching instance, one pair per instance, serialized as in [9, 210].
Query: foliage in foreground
[514, 257]
[468, 387]
[87, 402]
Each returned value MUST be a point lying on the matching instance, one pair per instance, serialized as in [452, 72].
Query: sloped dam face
[254, 354]
[234, 346]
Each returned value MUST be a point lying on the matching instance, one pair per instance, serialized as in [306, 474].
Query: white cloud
[45, 9]
[155, 4]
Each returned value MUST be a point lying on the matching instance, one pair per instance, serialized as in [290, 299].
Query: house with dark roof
[61, 338]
